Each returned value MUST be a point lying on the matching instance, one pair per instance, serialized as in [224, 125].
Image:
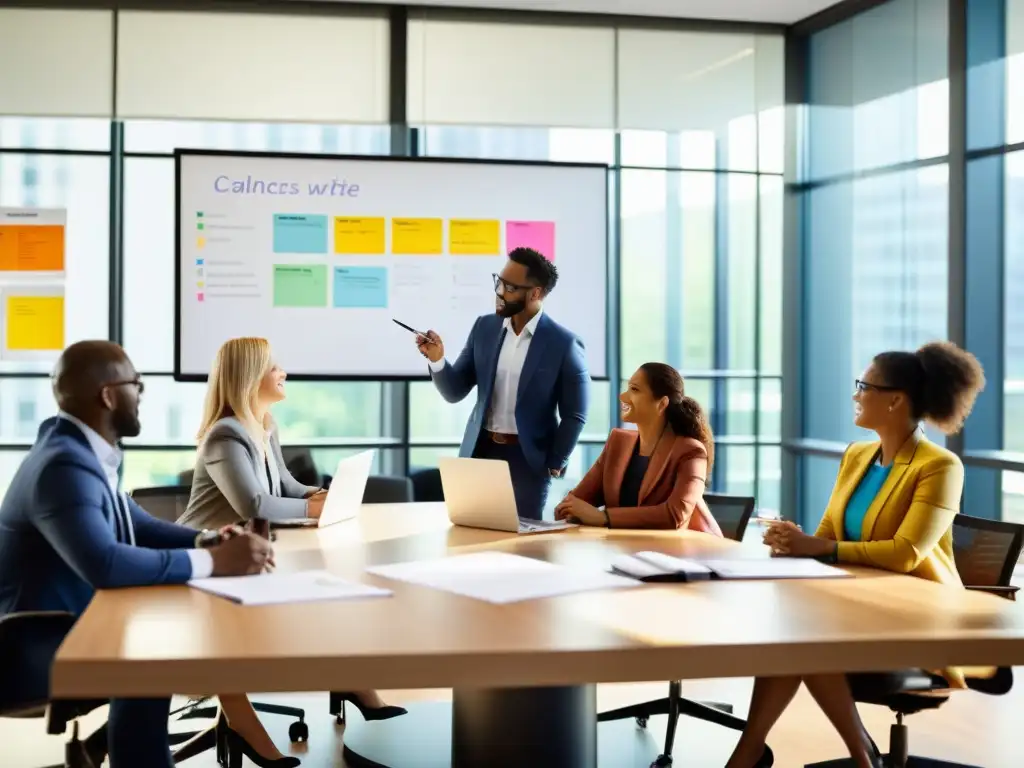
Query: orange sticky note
[30, 248]
[200, 242]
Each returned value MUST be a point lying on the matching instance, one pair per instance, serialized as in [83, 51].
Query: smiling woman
[655, 476]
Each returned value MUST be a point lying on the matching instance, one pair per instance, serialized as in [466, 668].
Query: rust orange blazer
[672, 492]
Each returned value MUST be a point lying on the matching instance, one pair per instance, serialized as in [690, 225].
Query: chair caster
[339, 719]
[641, 722]
[663, 761]
[298, 732]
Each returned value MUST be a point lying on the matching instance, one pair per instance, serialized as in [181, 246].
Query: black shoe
[767, 759]
[236, 747]
[380, 713]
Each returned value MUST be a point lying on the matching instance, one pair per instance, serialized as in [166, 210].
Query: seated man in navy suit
[531, 380]
[66, 530]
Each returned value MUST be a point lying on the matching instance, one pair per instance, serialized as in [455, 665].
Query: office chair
[387, 489]
[986, 552]
[29, 629]
[732, 513]
[426, 485]
[164, 502]
[172, 500]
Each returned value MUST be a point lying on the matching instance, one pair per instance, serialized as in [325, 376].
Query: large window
[689, 122]
[874, 209]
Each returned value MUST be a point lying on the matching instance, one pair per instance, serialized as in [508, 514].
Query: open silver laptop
[344, 497]
[478, 494]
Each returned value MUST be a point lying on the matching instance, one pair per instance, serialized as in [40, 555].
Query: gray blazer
[231, 484]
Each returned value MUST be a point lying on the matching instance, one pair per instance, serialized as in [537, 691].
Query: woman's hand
[787, 540]
[315, 505]
[572, 508]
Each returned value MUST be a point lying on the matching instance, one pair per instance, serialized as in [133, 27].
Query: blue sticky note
[300, 233]
[361, 287]
[199, 262]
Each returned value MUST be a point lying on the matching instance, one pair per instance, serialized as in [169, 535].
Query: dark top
[629, 496]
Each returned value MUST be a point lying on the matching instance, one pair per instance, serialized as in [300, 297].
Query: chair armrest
[1010, 593]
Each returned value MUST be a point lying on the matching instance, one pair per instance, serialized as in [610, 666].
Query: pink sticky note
[539, 235]
[199, 296]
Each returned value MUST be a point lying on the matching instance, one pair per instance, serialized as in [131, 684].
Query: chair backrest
[166, 502]
[426, 485]
[386, 489]
[986, 551]
[732, 513]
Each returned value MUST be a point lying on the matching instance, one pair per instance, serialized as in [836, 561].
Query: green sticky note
[199, 214]
[300, 285]
[200, 226]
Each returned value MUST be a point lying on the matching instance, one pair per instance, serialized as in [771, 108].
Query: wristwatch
[206, 539]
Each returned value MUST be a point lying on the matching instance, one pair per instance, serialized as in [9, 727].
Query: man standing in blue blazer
[66, 530]
[531, 380]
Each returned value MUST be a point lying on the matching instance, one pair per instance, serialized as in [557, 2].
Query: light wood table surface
[162, 640]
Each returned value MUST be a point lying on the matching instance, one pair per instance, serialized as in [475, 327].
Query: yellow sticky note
[474, 237]
[35, 323]
[360, 235]
[200, 242]
[416, 237]
[200, 284]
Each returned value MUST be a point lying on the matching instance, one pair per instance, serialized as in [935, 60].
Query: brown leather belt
[501, 438]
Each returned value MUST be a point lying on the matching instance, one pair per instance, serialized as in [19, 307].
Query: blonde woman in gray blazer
[240, 472]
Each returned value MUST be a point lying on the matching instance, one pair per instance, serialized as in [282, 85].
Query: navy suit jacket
[57, 541]
[552, 399]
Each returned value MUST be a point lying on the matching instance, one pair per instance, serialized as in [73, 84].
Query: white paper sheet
[774, 568]
[274, 588]
[500, 577]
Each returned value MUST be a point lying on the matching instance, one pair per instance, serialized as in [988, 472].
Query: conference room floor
[973, 728]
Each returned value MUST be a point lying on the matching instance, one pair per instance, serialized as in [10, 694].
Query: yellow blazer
[909, 526]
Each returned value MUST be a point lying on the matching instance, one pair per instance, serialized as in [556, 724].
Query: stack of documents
[655, 567]
[274, 588]
[500, 577]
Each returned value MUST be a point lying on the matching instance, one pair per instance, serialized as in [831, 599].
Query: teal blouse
[861, 499]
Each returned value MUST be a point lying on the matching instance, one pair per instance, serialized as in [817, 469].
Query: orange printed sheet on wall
[31, 240]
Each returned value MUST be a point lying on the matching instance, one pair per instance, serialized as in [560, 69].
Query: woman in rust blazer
[654, 476]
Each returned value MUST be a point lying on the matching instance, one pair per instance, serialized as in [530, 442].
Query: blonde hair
[238, 370]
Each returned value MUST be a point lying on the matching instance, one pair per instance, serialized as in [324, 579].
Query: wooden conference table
[523, 674]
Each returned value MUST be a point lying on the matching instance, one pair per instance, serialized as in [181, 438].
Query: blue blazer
[57, 541]
[554, 380]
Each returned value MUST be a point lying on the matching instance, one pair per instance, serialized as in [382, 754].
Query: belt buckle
[499, 438]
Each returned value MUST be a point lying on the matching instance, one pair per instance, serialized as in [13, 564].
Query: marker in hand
[409, 328]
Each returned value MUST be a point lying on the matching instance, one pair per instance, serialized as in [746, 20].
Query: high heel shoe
[386, 712]
[235, 747]
[767, 759]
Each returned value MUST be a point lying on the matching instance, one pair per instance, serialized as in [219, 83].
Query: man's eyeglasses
[136, 382]
[864, 386]
[506, 287]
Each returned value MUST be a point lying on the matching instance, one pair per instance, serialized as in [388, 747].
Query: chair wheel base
[663, 761]
[298, 732]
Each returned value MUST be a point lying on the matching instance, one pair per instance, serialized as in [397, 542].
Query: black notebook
[655, 567]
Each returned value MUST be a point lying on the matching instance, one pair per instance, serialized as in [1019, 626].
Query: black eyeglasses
[136, 382]
[506, 286]
[864, 386]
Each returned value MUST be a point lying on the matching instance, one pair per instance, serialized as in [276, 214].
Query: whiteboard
[319, 253]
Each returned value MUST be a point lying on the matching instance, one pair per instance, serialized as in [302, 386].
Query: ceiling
[770, 11]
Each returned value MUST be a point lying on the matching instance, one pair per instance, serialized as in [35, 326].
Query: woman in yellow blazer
[892, 508]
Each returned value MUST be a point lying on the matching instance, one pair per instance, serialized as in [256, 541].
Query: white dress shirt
[501, 417]
[109, 457]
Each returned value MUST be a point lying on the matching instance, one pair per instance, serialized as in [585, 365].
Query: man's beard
[126, 424]
[512, 308]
